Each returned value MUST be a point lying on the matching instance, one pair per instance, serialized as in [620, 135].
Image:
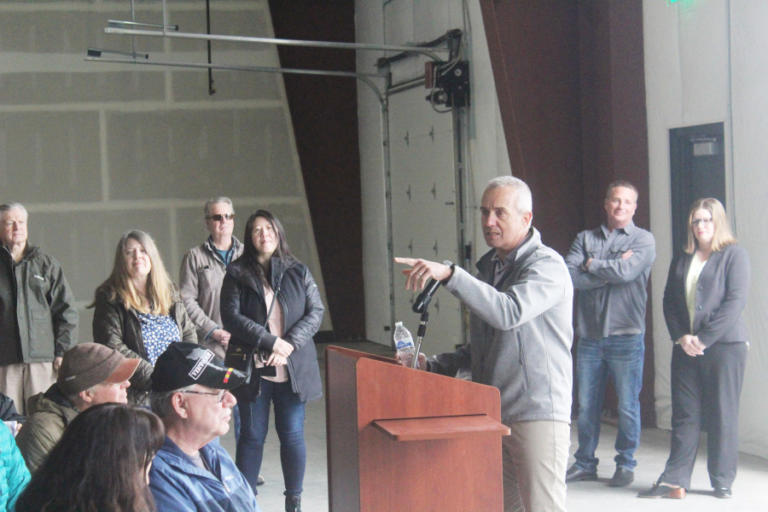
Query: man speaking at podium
[520, 342]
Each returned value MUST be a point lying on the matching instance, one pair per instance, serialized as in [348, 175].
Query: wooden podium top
[443, 427]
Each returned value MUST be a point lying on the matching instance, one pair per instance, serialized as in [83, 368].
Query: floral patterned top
[158, 331]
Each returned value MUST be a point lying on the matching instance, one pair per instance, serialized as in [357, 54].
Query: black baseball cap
[183, 364]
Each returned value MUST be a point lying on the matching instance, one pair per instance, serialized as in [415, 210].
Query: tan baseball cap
[88, 364]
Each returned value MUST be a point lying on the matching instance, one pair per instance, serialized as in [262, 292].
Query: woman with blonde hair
[138, 310]
[704, 298]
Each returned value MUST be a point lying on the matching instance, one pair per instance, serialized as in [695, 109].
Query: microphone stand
[420, 333]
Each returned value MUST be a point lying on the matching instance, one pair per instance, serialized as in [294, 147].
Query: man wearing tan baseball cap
[90, 374]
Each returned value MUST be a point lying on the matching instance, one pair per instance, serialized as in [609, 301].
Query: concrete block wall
[94, 149]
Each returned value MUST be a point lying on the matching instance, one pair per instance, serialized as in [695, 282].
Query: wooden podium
[402, 440]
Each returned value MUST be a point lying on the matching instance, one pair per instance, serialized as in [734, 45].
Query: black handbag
[240, 356]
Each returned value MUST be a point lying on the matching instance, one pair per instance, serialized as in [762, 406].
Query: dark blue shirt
[179, 485]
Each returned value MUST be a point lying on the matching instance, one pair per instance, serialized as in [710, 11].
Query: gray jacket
[200, 278]
[721, 295]
[521, 333]
[611, 294]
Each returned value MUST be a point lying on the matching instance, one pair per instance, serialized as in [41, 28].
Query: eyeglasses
[220, 217]
[696, 222]
[218, 394]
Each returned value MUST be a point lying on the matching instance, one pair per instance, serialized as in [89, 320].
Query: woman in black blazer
[704, 299]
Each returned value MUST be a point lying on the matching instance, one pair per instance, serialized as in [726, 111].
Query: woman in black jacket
[138, 311]
[704, 299]
[270, 303]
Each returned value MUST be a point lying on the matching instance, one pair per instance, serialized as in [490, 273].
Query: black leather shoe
[723, 493]
[621, 478]
[576, 474]
[660, 490]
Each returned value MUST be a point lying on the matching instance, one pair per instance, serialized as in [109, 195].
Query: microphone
[422, 301]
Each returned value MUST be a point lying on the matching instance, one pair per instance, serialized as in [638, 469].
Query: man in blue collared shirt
[192, 472]
[610, 266]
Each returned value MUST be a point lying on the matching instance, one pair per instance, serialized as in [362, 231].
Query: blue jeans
[289, 422]
[620, 357]
[236, 421]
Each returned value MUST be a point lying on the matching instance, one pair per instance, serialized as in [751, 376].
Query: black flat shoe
[723, 493]
[621, 478]
[663, 491]
[576, 474]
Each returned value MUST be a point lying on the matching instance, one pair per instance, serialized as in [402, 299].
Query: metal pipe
[406, 85]
[450, 36]
[386, 164]
[133, 39]
[463, 211]
[234, 67]
[122, 23]
[363, 77]
[211, 90]
[165, 16]
[275, 41]
[96, 53]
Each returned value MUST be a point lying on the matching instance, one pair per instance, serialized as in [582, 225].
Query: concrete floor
[750, 491]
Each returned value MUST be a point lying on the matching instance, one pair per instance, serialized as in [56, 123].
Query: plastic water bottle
[404, 344]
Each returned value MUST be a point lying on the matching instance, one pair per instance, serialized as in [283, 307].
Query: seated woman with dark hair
[100, 464]
[138, 310]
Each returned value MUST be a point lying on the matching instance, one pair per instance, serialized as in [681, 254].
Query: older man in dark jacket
[38, 319]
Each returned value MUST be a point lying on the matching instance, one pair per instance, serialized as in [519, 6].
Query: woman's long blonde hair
[159, 285]
[723, 236]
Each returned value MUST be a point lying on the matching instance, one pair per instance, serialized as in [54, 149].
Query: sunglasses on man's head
[220, 217]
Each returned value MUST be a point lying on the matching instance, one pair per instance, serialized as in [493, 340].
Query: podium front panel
[369, 470]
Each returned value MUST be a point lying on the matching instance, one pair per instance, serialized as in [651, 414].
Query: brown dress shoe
[660, 490]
